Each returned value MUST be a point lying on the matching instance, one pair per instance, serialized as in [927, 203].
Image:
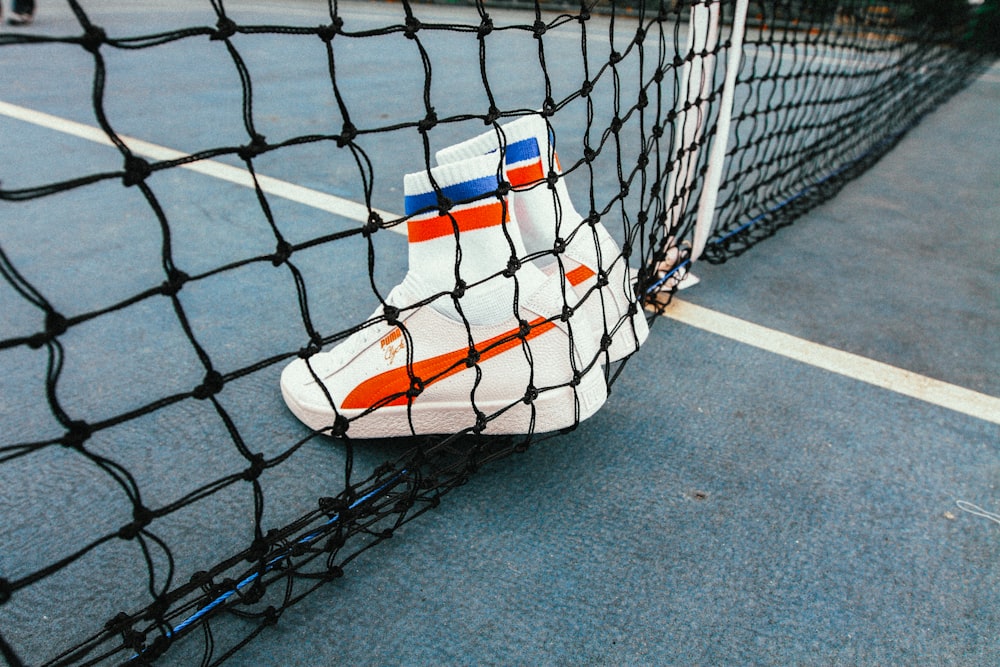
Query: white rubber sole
[554, 410]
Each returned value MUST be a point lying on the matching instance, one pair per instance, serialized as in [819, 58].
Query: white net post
[697, 80]
[717, 154]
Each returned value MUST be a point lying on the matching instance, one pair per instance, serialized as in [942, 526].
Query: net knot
[605, 342]
[530, 394]
[141, 517]
[589, 154]
[416, 387]
[93, 38]
[55, 324]
[539, 27]
[120, 622]
[282, 253]
[78, 433]
[201, 578]
[328, 32]
[131, 638]
[485, 27]
[412, 26]
[211, 385]
[224, 29]
[309, 350]
[254, 594]
[155, 650]
[559, 246]
[616, 124]
[403, 505]
[270, 616]
[615, 57]
[136, 171]
[340, 426]
[257, 466]
[428, 121]
[567, 314]
[473, 358]
[374, 223]
[443, 203]
[513, 264]
[492, 116]
[332, 506]
[391, 314]
[586, 89]
[481, 424]
[175, 281]
[347, 134]
[156, 611]
[459, 291]
[256, 146]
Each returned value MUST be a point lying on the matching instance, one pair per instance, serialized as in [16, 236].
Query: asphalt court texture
[729, 504]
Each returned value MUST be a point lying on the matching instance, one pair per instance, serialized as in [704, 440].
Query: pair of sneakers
[511, 306]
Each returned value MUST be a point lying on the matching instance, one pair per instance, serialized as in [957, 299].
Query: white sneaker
[587, 248]
[431, 374]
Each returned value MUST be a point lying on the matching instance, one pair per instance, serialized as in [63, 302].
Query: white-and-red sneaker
[472, 341]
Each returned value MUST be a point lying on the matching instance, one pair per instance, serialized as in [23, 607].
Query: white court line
[854, 366]
[898, 380]
[272, 186]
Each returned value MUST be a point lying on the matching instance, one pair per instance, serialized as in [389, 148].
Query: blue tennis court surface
[736, 501]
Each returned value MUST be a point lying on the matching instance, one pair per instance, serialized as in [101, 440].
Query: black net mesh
[156, 287]
[824, 90]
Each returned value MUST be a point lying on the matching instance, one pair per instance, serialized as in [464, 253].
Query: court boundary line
[273, 186]
[876, 373]
[854, 366]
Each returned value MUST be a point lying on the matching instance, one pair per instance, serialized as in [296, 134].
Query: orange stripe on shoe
[579, 274]
[390, 387]
[476, 217]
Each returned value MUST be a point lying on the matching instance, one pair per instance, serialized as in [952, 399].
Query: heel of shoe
[629, 332]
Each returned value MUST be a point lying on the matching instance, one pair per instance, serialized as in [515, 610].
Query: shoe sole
[554, 410]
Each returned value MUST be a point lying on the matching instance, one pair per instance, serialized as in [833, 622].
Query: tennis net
[157, 282]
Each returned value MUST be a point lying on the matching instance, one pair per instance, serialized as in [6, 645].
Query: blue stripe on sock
[525, 149]
[459, 192]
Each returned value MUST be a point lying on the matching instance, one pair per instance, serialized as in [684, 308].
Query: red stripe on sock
[530, 173]
[477, 217]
